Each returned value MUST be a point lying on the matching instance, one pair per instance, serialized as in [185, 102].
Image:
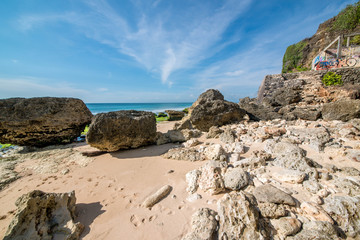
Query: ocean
[150, 107]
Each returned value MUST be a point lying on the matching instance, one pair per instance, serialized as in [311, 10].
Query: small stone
[271, 194]
[286, 226]
[193, 197]
[236, 179]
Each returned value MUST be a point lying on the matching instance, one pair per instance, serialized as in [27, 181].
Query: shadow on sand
[86, 214]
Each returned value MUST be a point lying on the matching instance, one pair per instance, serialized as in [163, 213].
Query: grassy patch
[85, 130]
[332, 79]
[292, 56]
[2, 146]
[161, 119]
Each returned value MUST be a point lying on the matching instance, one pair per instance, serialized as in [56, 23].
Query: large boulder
[258, 111]
[42, 121]
[344, 110]
[215, 113]
[44, 216]
[122, 130]
[175, 115]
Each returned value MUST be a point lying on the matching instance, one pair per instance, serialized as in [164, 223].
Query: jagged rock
[214, 132]
[203, 225]
[257, 159]
[41, 215]
[290, 156]
[286, 226]
[316, 137]
[42, 121]
[185, 154]
[211, 180]
[7, 172]
[312, 186]
[174, 136]
[236, 147]
[315, 212]
[258, 111]
[272, 210]
[285, 96]
[214, 152]
[235, 179]
[345, 210]
[239, 218]
[228, 136]
[310, 113]
[344, 110]
[192, 180]
[157, 196]
[175, 115]
[271, 194]
[316, 230]
[289, 176]
[191, 143]
[274, 131]
[348, 186]
[122, 130]
[215, 113]
[350, 171]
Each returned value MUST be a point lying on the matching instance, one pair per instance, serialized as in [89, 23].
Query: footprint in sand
[134, 220]
[152, 218]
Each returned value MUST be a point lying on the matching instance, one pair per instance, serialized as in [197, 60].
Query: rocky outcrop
[175, 115]
[343, 110]
[122, 130]
[258, 111]
[215, 113]
[42, 121]
[42, 215]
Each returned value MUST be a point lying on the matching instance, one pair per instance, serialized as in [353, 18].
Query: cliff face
[300, 55]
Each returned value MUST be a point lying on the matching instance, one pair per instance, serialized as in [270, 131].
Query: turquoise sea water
[151, 107]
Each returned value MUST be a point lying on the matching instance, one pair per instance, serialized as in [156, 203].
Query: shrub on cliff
[332, 79]
[293, 55]
[348, 18]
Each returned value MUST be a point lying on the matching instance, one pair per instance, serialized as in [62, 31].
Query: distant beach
[151, 107]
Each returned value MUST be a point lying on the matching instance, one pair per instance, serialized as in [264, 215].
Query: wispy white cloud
[153, 41]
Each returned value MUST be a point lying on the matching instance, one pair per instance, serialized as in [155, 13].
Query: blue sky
[149, 50]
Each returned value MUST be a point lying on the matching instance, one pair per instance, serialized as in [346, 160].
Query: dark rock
[215, 113]
[306, 113]
[258, 111]
[122, 130]
[45, 216]
[344, 110]
[42, 121]
[175, 115]
[286, 96]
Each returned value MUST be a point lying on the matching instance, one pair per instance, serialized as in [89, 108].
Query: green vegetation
[355, 40]
[332, 79]
[160, 119]
[292, 56]
[162, 114]
[2, 146]
[85, 130]
[186, 110]
[348, 18]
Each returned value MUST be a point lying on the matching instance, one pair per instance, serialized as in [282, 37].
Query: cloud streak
[153, 41]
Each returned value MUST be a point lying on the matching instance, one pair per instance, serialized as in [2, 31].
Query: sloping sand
[110, 189]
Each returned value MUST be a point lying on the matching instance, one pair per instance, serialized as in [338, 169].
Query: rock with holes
[269, 193]
[286, 226]
[211, 179]
[203, 225]
[272, 210]
[42, 121]
[41, 215]
[192, 178]
[317, 230]
[235, 179]
[113, 131]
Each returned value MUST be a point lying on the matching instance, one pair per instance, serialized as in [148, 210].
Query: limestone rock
[350, 171]
[317, 230]
[214, 152]
[175, 115]
[235, 179]
[41, 215]
[312, 186]
[215, 113]
[122, 130]
[315, 212]
[42, 121]
[286, 226]
[239, 218]
[211, 180]
[203, 225]
[257, 159]
[214, 132]
[345, 210]
[157, 196]
[185, 154]
[258, 111]
[271, 194]
[228, 136]
[272, 210]
[192, 180]
[289, 176]
[348, 186]
[344, 110]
